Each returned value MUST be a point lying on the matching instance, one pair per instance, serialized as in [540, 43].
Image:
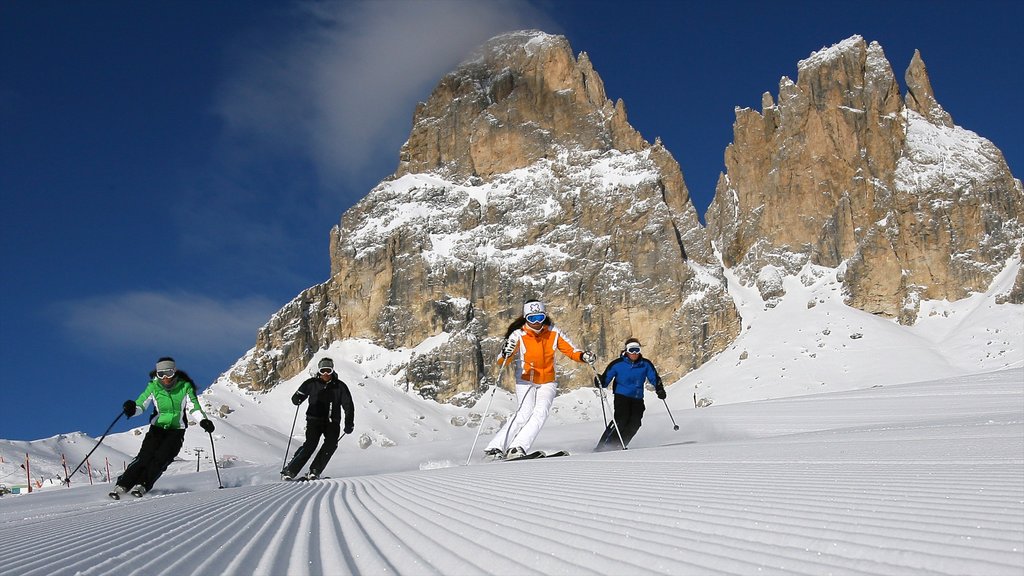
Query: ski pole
[674, 425]
[289, 447]
[213, 449]
[604, 414]
[67, 480]
[615, 423]
[497, 378]
[603, 400]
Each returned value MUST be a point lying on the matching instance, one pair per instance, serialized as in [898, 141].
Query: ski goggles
[166, 373]
[633, 349]
[536, 318]
[327, 370]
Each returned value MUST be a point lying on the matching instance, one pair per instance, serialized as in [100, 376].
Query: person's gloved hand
[129, 408]
[588, 357]
[205, 424]
[509, 348]
[660, 391]
[597, 382]
[348, 429]
[297, 398]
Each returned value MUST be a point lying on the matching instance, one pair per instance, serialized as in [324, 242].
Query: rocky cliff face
[519, 180]
[842, 172]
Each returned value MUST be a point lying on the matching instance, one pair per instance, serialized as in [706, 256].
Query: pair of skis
[540, 454]
[532, 456]
[115, 495]
[308, 479]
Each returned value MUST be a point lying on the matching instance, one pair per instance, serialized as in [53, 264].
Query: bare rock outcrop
[519, 180]
[842, 172]
[520, 98]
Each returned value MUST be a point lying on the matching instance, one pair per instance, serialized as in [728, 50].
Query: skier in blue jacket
[627, 375]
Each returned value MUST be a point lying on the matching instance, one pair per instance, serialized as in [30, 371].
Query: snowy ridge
[829, 53]
[947, 156]
[919, 478]
[438, 208]
[809, 341]
[500, 46]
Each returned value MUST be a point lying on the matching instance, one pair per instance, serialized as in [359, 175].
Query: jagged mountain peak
[503, 47]
[841, 173]
[520, 98]
[920, 97]
[521, 180]
[828, 55]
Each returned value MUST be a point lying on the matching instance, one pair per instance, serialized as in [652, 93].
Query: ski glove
[509, 348]
[348, 429]
[297, 398]
[588, 357]
[205, 424]
[597, 382]
[660, 391]
[129, 408]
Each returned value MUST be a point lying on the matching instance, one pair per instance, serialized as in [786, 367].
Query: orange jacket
[535, 355]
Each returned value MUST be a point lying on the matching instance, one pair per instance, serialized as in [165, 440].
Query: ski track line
[594, 553]
[386, 530]
[127, 530]
[797, 517]
[1004, 540]
[419, 525]
[195, 531]
[476, 520]
[861, 513]
[261, 534]
[514, 542]
[69, 543]
[891, 491]
[694, 548]
[602, 523]
[274, 536]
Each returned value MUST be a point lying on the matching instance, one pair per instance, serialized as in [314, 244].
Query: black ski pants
[159, 448]
[629, 412]
[315, 428]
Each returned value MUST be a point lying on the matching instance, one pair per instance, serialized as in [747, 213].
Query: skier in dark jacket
[172, 394]
[328, 395]
[627, 375]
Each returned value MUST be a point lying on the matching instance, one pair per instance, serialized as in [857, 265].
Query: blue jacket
[629, 376]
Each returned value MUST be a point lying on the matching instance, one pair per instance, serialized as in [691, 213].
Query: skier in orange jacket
[531, 342]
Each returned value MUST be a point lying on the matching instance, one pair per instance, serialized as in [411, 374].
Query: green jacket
[172, 404]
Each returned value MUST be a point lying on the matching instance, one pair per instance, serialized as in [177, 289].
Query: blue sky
[169, 171]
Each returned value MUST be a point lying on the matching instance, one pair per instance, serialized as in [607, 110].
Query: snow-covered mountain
[520, 180]
[807, 342]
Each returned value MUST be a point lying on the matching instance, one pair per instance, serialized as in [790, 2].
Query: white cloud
[340, 88]
[182, 323]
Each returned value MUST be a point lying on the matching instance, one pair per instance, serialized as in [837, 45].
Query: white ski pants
[522, 428]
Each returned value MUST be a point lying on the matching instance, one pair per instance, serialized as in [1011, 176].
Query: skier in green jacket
[173, 394]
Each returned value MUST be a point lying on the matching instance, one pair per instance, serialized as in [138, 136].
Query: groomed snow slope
[921, 478]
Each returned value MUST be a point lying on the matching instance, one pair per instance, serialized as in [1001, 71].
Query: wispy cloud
[174, 323]
[341, 87]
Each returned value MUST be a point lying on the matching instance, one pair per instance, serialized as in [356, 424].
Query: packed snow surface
[915, 478]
